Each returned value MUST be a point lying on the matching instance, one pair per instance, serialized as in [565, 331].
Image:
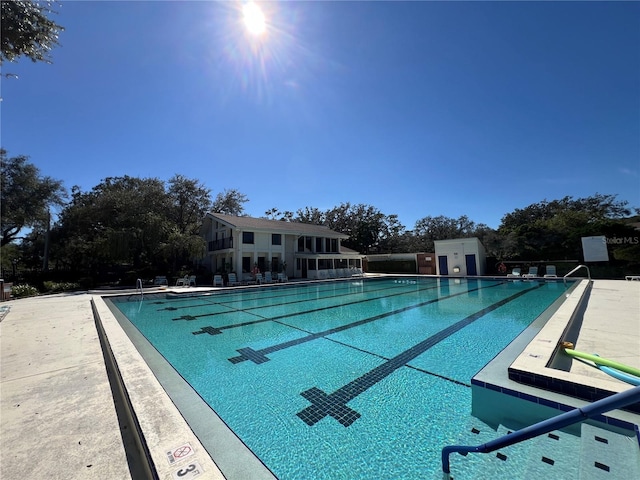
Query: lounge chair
[514, 273]
[160, 280]
[217, 281]
[550, 272]
[282, 277]
[191, 281]
[258, 278]
[267, 277]
[233, 280]
[183, 281]
[533, 272]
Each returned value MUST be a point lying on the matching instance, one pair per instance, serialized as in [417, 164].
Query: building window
[334, 245]
[301, 244]
[324, 264]
[276, 239]
[247, 237]
[311, 264]
[319, 242]
[307, 244]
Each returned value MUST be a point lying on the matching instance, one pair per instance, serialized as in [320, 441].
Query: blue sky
[416, 108]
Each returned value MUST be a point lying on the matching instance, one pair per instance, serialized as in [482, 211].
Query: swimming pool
[364, 378]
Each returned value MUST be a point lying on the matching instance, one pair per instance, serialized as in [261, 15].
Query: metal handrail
[575, 270]
[139, 287]
[604, 405]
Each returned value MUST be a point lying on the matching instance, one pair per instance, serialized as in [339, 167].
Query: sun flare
[254, 18]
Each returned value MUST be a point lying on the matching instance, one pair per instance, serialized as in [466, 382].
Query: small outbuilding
[460, 257]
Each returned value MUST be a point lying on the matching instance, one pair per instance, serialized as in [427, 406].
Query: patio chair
[258, 278]
[282, 277]
[160, 280]
[533, 272]
[182, 281]
[514, 273]
[550, 272]
[267, 277]
[191, 281]
[233, 280]
[217, 281]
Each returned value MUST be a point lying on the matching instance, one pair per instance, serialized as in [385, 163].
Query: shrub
[54, 287]
[22, 291]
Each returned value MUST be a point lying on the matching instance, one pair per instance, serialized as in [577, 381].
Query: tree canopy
[27, 30]
[553, 229]
[147, 226]
[25, 196]
[230, 202]
[131, 221]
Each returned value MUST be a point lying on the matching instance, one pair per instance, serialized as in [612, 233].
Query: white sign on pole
[594, 249]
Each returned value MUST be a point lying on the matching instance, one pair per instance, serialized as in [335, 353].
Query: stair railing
[578, 415]
[139, 287]
[575, 270]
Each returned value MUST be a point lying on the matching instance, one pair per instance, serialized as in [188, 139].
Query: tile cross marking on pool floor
[334, 404]
[259, 356]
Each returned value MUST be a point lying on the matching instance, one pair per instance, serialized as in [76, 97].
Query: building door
[442, 263]
[471, 264]
[304, 267]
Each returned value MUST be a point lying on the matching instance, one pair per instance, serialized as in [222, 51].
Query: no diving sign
[176, 454]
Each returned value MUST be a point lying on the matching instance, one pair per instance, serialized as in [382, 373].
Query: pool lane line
[418, 369]
[302, 300]
[241, 295]
[260, 356]
[292, 314]
[335, 404]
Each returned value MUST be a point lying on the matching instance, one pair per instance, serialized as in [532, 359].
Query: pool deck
[57, 413]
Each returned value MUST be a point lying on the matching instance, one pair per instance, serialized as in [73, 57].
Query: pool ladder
[139, 287]
[575, 270]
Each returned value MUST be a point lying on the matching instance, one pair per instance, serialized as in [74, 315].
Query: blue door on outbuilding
[471, 264]
[442, 265]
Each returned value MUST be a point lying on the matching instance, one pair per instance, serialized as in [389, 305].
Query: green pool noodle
[602, 361]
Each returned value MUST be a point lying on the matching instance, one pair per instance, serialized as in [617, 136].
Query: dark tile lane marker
[335, 404]
[259, 356]
[217, 330]
[304, 300]
[229, 297]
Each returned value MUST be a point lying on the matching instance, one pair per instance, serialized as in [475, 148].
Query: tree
[133, 226]
[553, 229]
[189, 202]
[230, 202]
[27, 31]
[429, 229]
[25, 196]
[275, 214]
[121, 221]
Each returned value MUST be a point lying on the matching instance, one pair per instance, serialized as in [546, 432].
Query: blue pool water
[364, 379]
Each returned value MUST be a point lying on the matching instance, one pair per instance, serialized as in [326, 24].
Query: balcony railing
[221, 244]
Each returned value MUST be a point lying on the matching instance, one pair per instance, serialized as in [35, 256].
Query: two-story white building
[301, 250]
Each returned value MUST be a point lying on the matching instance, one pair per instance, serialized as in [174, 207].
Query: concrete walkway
[57, 416]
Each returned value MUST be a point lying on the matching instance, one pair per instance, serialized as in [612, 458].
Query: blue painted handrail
[613, 402]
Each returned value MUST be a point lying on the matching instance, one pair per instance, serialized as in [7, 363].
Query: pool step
[597, 454]
[607, 455]
[475, 432]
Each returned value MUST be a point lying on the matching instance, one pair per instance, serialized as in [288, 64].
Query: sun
[254, 18]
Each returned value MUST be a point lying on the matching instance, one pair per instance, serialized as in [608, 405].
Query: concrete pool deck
[58, 417]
